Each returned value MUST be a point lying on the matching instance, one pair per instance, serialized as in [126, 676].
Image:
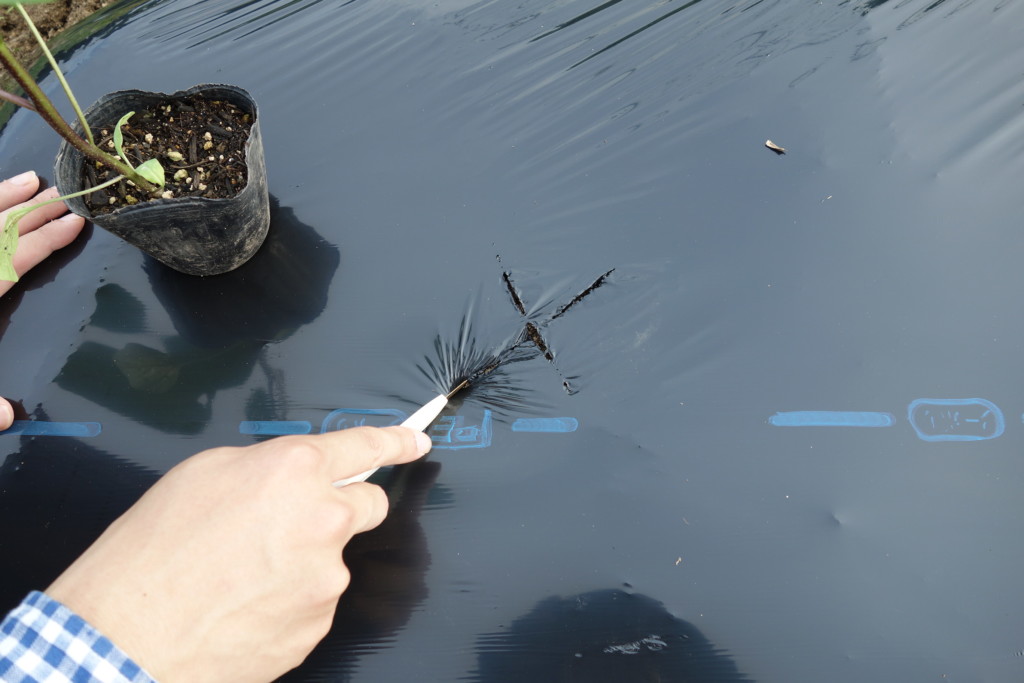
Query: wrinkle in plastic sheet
[779, 441]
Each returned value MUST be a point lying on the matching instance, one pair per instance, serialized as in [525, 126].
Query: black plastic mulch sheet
[757, 416]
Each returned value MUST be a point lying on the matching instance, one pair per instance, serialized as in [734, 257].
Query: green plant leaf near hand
[9, 240]
[8, 245]
[152, 171]
[119, 137]
[9, 233]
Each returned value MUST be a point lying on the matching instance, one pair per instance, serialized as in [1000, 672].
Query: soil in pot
[200, 142]
[198, 235]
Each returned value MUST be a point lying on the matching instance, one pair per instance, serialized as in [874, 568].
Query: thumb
[6, 414]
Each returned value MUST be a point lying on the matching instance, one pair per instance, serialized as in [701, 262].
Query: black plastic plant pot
[193, 235]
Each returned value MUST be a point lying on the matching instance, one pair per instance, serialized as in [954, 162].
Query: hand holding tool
[419, 421]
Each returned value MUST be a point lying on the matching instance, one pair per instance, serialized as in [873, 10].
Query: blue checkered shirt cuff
[42, 640]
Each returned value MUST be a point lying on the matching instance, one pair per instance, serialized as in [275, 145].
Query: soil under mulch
[200, 143]
[50, 18]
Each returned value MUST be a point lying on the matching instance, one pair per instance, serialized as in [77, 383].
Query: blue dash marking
[547, 425]
[831, 418]
[41, 428]
[956, 419]
[274, 427]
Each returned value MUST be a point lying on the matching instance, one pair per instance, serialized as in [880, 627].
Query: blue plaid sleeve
[42, 640]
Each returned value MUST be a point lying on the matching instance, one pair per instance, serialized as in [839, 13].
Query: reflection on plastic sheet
[933, 419]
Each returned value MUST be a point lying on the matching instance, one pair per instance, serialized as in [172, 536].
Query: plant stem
[44, 107]
[88, 190]
[56, 69]
[14, 99]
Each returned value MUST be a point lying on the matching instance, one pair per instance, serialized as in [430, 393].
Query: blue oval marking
[43, 428]
[548, 425]
[831, 418]
[956, 419]
[346, 418]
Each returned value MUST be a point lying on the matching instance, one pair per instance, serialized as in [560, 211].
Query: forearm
[42, 640]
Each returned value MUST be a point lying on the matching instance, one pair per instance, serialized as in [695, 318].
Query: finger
[43, 241]
[42, 215]
[351, 451]
[367, 504]
[18, 189]
[6, 414]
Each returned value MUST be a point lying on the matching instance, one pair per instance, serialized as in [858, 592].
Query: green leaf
[119, 137]
[152, 171]
[10, 3]
[9, 235]
[9, 243]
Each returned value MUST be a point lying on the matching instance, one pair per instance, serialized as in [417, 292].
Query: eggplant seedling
[148, 175]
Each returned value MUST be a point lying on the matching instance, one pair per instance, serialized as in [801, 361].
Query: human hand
[230, 567]
[40, 234]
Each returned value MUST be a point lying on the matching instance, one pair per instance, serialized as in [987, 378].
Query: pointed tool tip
[461, 385]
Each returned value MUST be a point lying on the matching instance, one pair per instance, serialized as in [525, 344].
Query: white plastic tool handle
[419, 421]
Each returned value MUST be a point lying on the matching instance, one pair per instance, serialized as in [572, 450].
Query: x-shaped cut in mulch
[532, 331]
